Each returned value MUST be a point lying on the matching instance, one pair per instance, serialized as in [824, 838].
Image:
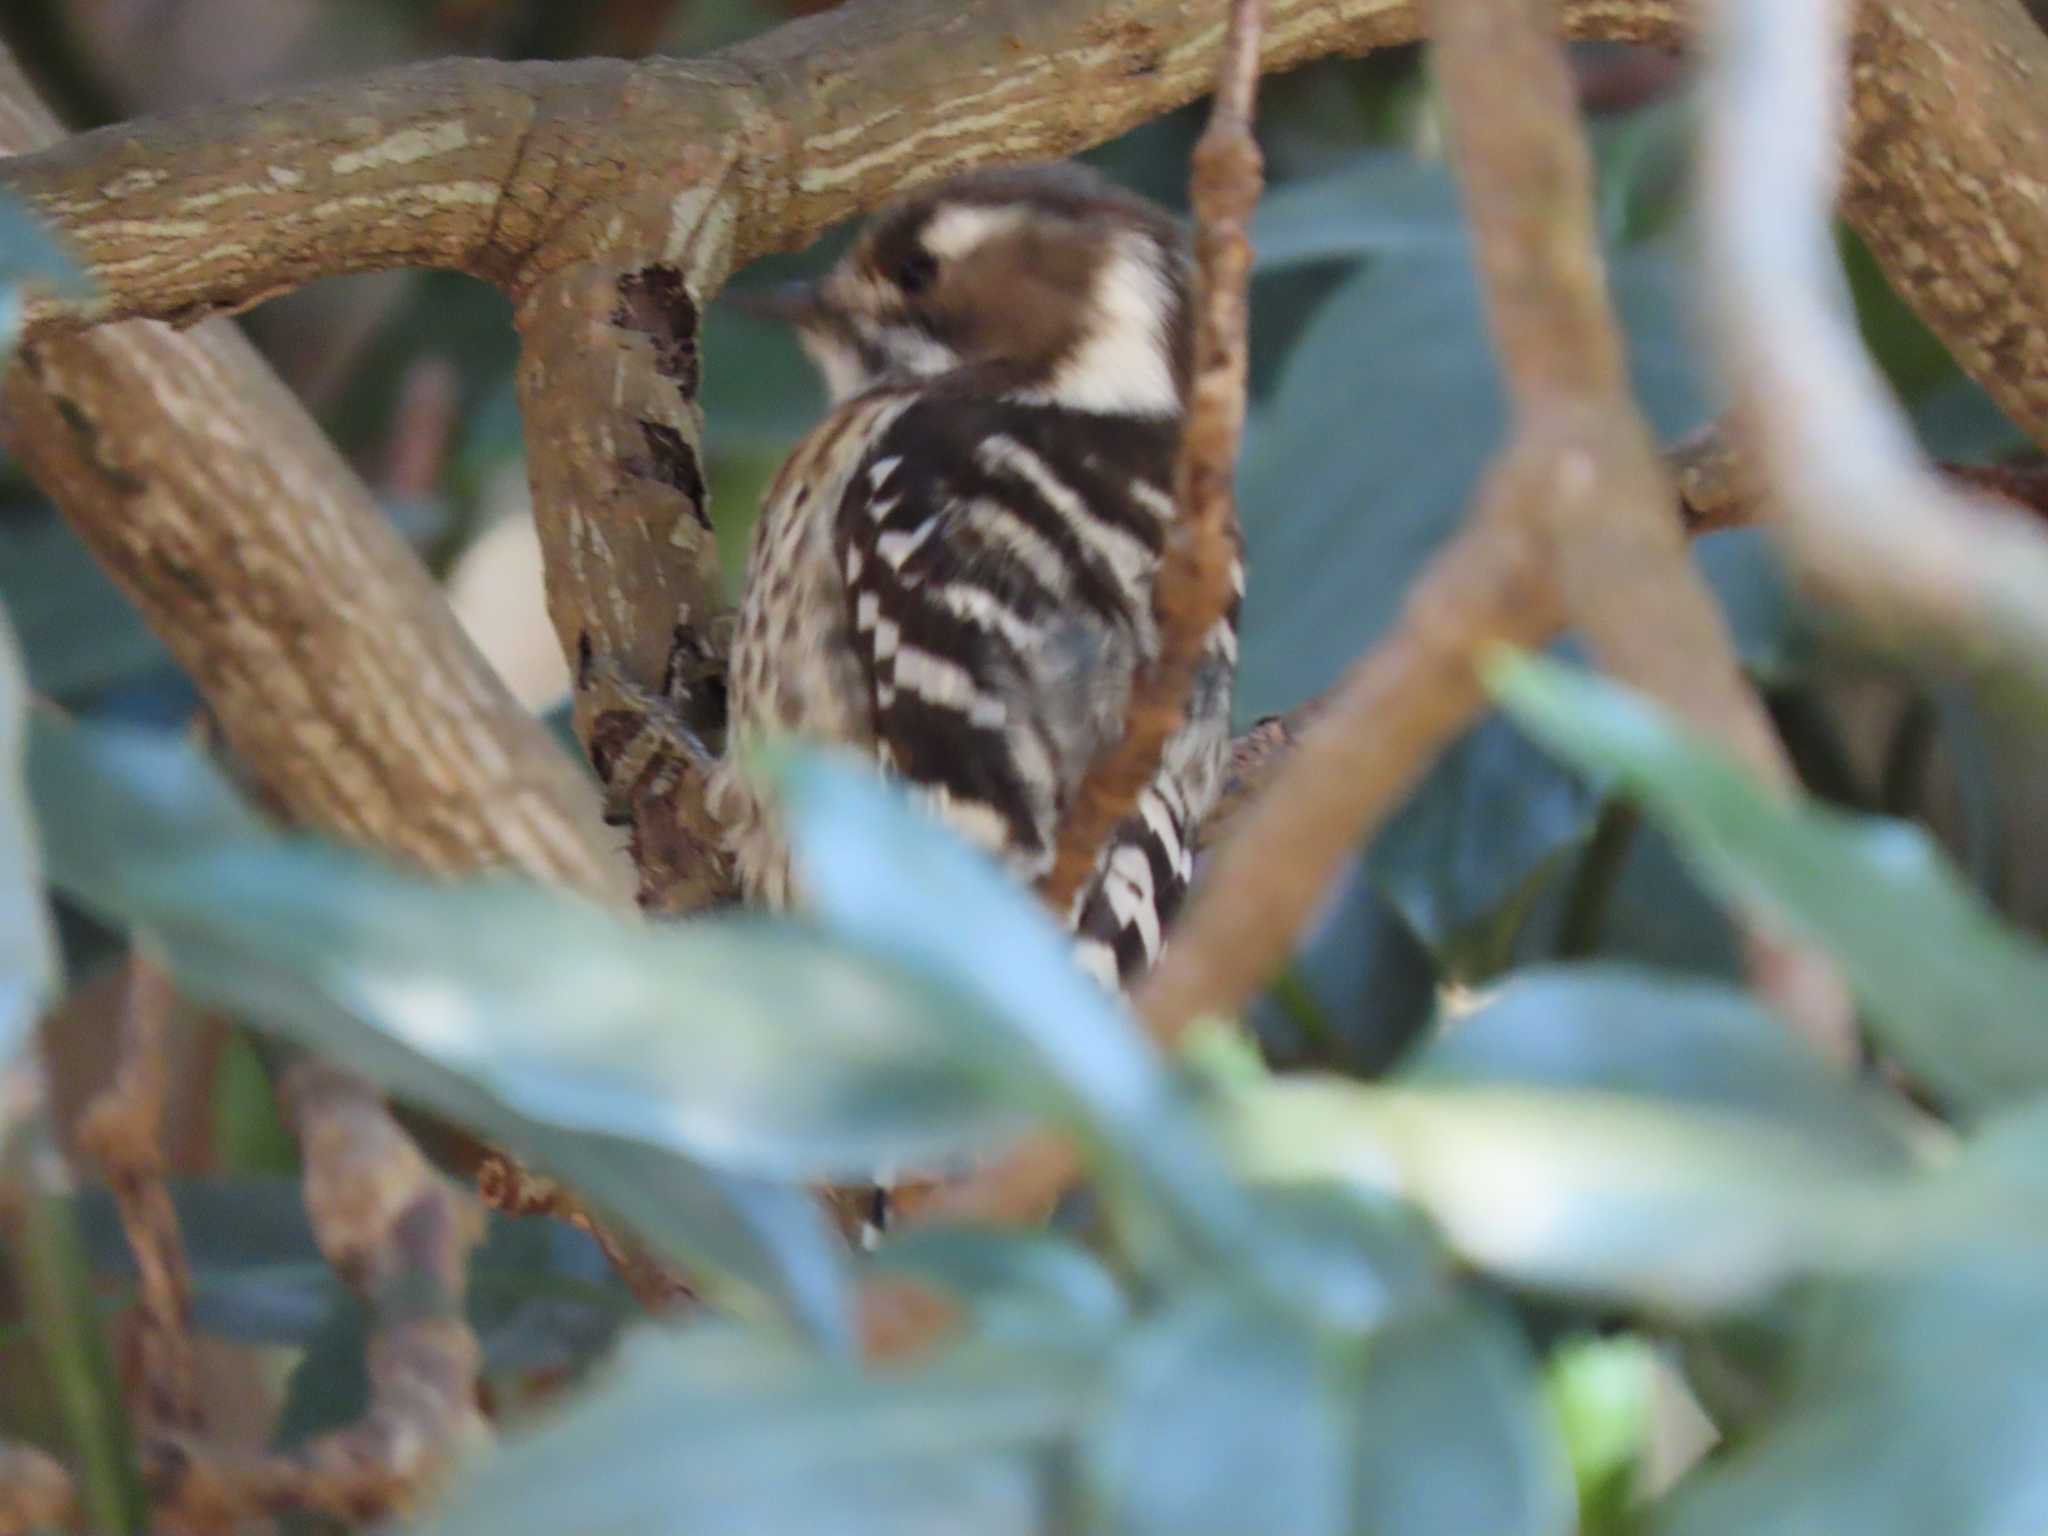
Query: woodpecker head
[1048, 285]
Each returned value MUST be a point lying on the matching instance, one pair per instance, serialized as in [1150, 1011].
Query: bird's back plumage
[953, 576]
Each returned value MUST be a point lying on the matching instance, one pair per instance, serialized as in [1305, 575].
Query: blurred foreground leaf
[1224, 1416]
[627, 1060]
[902, 887]
[1954, 993]
[713, 1430]
[1618, 1030]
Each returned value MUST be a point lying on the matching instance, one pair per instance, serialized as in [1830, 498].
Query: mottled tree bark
[335, 668]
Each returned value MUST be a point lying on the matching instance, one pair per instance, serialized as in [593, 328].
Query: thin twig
[1867, 523]
[1196, 581]
[123, 1130]
[506, 1185]
[400, 1235]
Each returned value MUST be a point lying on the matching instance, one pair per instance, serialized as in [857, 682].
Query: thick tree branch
[511, 171]
[608, 379]
[337, 670]
[213, 211]
[325, 650]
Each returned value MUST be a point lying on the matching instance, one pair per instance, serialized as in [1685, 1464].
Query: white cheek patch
[915, 352]
[962, 227]
[1123, 368]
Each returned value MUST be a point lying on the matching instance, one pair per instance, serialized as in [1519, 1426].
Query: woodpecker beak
[799, 304]
[828, 334]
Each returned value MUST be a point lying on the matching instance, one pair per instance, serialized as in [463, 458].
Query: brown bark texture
[335, 669]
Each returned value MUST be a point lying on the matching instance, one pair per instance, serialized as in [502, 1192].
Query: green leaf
[588, 1044]
[1595, 1194]
[567, 1015]
[712, 1430]
[1364, 460]
[1223, 1415]
[1362, 988]
[329, 1387]
[1952, 991]
[1643, 164]
[1603, 1391]
[1657, 916]
[545, 1304]
[1911, 356]
[1776, 635]
[1619, 1030]
[907, 890]
[1453, 1432]
[1919, 1403]
[1386, 202]
[28, 951]
[116, 800]
[1464, 859]
[1958, 421]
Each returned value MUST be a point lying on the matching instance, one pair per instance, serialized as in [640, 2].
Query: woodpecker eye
[916, 272]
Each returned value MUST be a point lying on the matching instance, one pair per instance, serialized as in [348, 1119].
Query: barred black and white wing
[997, 562]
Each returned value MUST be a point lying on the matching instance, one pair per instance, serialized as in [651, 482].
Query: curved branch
[329, 657]
[212, 211]
[1864, 515]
